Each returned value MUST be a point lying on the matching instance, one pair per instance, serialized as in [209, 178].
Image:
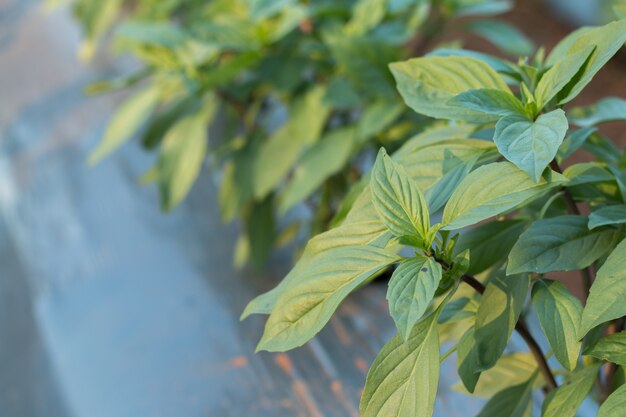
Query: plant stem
[523, 331]
[587, 274]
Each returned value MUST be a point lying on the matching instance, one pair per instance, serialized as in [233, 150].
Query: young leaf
[559, 313]
[489, 101]
[587, 172]
[125, 122]
[615, 405]
[397, 199]
[402, 381]
[607, 39]
[489, 243]
[182, 153]
[491, 190]
[531, 145]
[562, 243]
[411, 288]
[428, 83]
[559, 75]
[607, 215]
[304, 307]
[440, 193]
[565, 400]
[606, 298]
[499, 310]
[514, 401]
[606, 110]
[611, 348]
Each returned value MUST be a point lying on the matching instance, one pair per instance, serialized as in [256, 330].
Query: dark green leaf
[499, 310]
[489, 243]
[514, 401]
[562, 243]
[607, 215]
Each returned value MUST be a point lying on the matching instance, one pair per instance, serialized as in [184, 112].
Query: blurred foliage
[287, 99]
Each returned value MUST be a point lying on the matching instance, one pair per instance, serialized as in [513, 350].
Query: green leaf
[490, 101]
[402, 381]
[510, 370]
[606, 215]
[615, 404]
[565, 400]
[397, 199]
[514, 401]
[606, 110]
[411, 289]
[126, 121]
[467, 358]
[559, 313]
[489, 243]
[503, 35]
[428, 83]
[307, 116]
[322, 160]
[182, 153]
[304, 308]
[559, 75]
[587, 172]
[607, 39]
[562, 243]
[440, 193]
[606, 298]
[611, 348]
[376, 117]
[531, 145]
[499, 310]
[491, 190]
[573, 142]
[367, 15]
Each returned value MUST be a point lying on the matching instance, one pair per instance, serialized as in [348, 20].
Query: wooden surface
[108, 308]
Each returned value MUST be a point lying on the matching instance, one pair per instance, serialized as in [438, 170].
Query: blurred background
[109, 307]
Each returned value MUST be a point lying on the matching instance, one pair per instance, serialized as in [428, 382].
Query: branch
[587, 274]
[523, 331]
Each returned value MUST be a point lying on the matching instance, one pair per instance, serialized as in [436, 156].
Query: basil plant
[298, 95]
[473, 216]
